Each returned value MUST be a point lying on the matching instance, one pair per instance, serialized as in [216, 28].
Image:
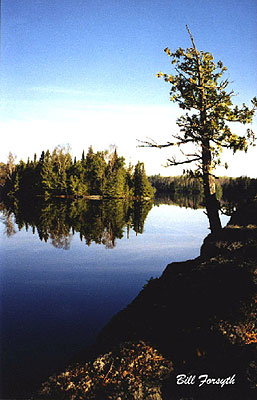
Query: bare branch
[173, 162]
[152, 143]
[191, 37]
[192, 137]
[190, 155]
[223, 84]
[227, 146]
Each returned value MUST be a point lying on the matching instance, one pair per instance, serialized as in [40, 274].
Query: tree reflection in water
[7, 220]
[101, 222]
[194, 201]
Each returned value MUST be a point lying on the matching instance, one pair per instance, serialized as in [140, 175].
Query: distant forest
[105, 174]
[229, 189]
[56, 174]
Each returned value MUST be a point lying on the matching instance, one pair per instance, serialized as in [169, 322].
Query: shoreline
[197, 318]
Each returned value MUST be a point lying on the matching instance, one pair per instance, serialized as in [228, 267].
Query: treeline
[176, 184]
[56, 174]
[238, 188]
[229, 189]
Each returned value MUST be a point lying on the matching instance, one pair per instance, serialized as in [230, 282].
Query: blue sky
[83, 71]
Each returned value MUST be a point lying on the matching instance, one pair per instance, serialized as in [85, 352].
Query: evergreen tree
[77, 183]
[95, 166]
[116, 183]
[47, 175]
[196, 86]
[142, 187]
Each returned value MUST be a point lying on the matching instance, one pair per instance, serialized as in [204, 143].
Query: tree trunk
[211, 202]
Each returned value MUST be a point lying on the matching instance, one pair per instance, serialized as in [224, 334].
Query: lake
[67, 268]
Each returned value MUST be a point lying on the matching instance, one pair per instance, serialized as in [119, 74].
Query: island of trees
[102, 175]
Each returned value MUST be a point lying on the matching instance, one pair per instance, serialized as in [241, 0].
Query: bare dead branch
[191, 37]
[173, 162]
[189, 155]
[152, 143]
[187, 140]
[223, 84]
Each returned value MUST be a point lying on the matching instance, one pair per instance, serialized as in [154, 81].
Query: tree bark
[211, 202]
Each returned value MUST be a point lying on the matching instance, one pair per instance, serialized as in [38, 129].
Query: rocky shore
[190, 334]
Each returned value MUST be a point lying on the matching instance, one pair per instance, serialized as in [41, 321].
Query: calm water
[58, 292]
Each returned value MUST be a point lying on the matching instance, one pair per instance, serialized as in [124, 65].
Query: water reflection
[101, 222]
[194, 201]
[7, 220]
[227, 204]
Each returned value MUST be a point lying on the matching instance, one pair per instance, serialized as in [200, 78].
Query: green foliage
[95, 166]
[176, 184]
[197, 84]
[198, 88]
[102, 173]
[142, 187]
